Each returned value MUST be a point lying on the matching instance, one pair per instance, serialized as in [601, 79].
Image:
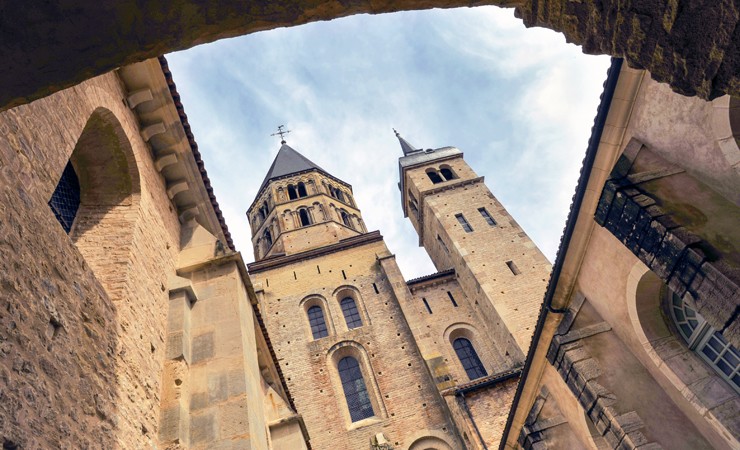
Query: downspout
[460, 393]
[593, 145]
[461, 396]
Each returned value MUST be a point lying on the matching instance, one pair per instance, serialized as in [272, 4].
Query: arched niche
[430, 440]
[469, 332]
[355, 350]
[345, 291]
[708, 401]
[319, 301]
[110, 190]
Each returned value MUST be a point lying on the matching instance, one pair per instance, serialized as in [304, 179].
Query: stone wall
[83, 330]
[404, 397]
[691, 45]
[485, 259]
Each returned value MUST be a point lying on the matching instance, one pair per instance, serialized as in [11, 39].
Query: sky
[518, 102]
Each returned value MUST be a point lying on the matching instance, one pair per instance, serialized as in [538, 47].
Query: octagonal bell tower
[299, 207]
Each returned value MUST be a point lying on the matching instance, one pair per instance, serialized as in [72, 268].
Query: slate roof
[287, 162]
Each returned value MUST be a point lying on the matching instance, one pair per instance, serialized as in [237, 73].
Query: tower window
[302, 190]
[426, 305]
[340, 195]
[317, 322]
[483, 212]
[465, 225]
[345, 218]
[442, 244]
[514, 269]
[413, 207]
[434, 176]
[268, 240]
[65, 201]
[709, 343]
[305, 218]
[351, 315]
[447, 172]
[452, 299]
[469, 358]
[292, 194]
[355, 391]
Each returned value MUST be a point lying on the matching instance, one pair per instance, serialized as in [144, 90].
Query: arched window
[332, 191]
[706, 341]
[340, 194]
[268, 239]
[469, 358]
[301, 189]
[355, 391]
[292, 195]
[65, 201]
[305, 218]
[447, 172]
[346, 219]
[351, 315]
[265, 210]
[317, 322]
[434, 176]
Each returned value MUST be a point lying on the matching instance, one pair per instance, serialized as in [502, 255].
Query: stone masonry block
[202, 429]
[233, 419]
[237, 383]
[198, 400]
[169, 425]
[218, 387]
[202, 347]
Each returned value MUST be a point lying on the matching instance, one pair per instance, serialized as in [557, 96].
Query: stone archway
[48, 47]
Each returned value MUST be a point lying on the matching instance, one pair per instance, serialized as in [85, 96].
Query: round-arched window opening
[469, 358]
[317, 322]
[302, 190]
[292, 194]
[305, 218]
[351, 314]
[346, 219]
[434, 176]
[447, 172]
[355, 391]
[707, 342]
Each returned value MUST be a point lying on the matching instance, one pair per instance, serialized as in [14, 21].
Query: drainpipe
[461, 396]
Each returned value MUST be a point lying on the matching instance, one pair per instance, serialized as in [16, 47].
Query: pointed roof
[405, 146]
[288, 161]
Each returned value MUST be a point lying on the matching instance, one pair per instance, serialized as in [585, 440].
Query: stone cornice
[279, 261]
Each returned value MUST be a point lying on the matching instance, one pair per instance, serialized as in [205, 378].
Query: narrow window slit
[426, 304]
[344, 275]
[452, 299]
[375, 286]
[514, 269]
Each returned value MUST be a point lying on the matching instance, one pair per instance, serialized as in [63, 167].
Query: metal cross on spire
[281, 132]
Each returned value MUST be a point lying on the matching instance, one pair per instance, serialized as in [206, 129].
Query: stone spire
[405, 146]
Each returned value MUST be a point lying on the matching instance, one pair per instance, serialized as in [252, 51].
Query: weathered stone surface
[691, 45]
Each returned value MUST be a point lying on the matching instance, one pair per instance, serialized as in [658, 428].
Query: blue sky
[518, 102]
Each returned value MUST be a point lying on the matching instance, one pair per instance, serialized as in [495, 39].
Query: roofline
[610, 85]
[284, 260]
[194, 148]
[432, 276]
[270, 180]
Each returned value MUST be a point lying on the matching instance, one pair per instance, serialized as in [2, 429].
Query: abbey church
[129, 320]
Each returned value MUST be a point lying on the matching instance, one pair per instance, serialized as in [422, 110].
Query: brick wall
[82, 333]
[406, 400]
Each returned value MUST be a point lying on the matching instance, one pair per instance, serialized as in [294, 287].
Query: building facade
[637, 341]
[370, 357]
